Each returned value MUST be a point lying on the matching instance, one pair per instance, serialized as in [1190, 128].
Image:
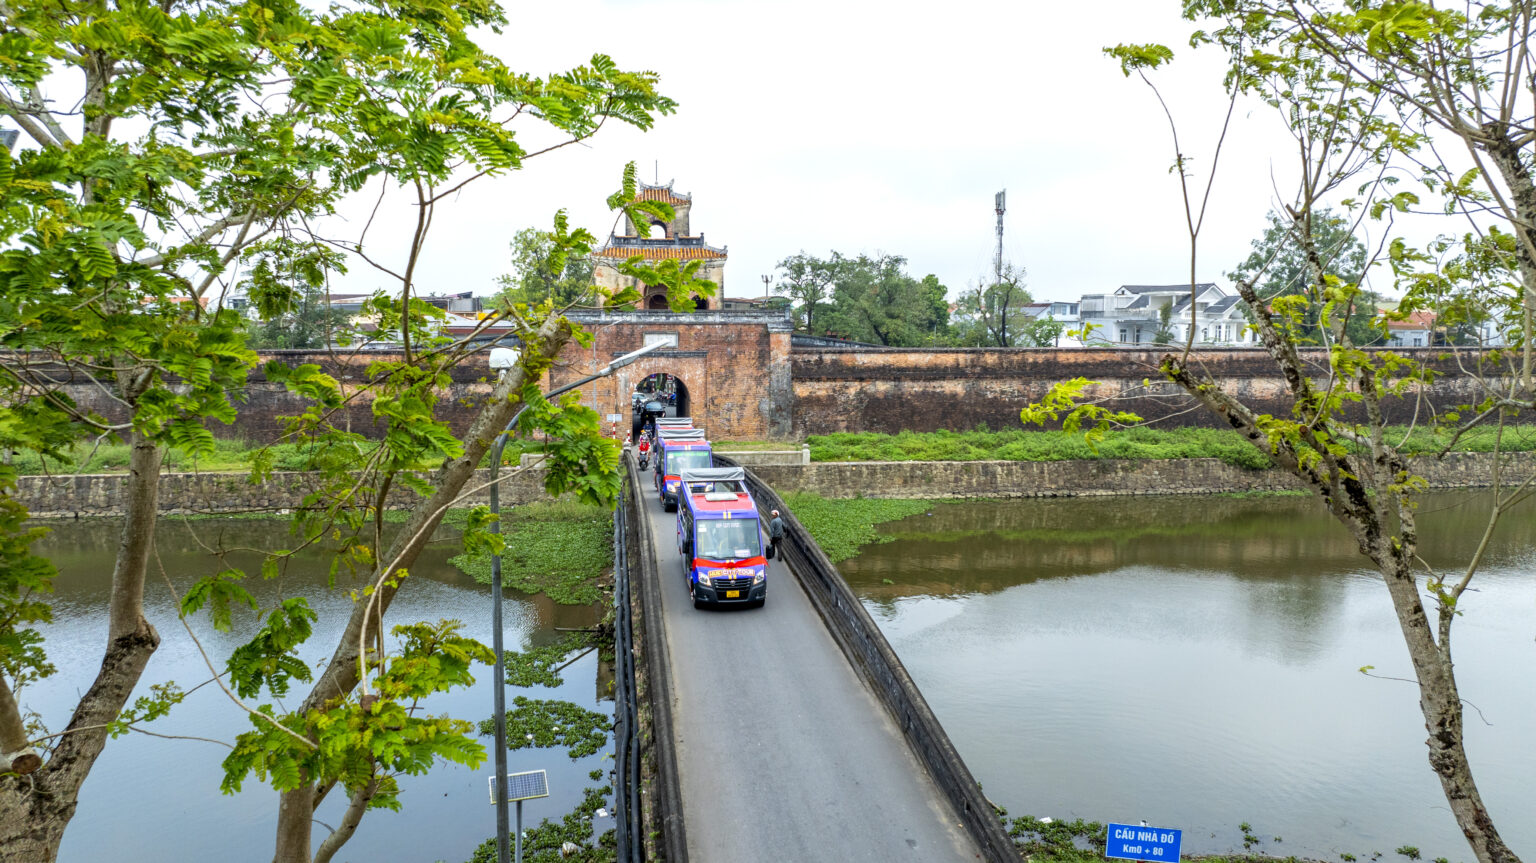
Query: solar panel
[523, 786]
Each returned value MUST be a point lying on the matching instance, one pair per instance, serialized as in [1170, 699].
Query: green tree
[997, 316]
[538, 274]
[298, 313]
[1279, 266]
[1368, 91]
[1164, 334]
[874, 300]
[807, 282]
[248, 123]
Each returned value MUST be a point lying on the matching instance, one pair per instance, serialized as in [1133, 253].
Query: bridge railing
[877, 663]
[626, 752]
[658, 803]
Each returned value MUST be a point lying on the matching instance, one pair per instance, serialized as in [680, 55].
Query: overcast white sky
[866, 127]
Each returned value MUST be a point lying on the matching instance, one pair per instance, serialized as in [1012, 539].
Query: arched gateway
[732, 367]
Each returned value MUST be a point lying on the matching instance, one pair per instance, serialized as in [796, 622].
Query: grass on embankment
[554, 547]
[227, 456]
[982, 444]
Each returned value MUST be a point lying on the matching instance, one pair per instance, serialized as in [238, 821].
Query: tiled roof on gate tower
[682, 249]
[662, 194]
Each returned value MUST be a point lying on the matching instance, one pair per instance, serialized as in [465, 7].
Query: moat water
[1188, 661]
[1194, 662]
[152, 799]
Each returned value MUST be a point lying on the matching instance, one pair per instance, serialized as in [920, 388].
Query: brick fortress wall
[891, 389]
[745, 382]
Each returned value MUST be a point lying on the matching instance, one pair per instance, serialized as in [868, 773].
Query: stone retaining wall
[756, 457]
[76, 495]
[961, 479]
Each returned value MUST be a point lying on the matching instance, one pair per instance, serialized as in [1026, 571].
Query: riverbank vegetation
[556, 547]
[983, 444]
[842, 527]
[1043, 840]
[225, 455]
[979, 444]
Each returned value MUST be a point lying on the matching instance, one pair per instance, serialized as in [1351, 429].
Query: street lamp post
[505, 358]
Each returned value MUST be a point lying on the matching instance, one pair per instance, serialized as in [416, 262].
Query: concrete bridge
[792, 732]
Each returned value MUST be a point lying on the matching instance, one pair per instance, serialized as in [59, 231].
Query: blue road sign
[1133, 842]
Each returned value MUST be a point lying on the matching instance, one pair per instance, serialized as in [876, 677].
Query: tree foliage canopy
[173, 152]
[1279, 267]
[997, 315]
[539, 274]
[866, 299]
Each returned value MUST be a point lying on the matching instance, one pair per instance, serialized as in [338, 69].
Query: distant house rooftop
[1165, 289]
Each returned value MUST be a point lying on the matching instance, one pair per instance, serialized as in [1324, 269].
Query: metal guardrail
[873, 659]
[626, 756]
[656, 798]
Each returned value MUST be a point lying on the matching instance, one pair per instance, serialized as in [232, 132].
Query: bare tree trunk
[35, 809]
[1440, 702]
[1522, 189]
[341, 674]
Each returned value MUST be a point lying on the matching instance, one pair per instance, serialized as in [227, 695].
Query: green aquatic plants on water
[550, 841]
[543, 724]
[1043, 840]
[842, 527]
[540, 666]
[535, 723]
[557, 548]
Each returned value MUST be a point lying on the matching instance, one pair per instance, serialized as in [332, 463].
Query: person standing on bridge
[775, 533]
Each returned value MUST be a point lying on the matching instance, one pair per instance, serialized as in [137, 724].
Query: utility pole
[765, 287]
[1000, 200]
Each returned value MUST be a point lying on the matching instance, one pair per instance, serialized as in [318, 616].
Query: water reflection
[446, 813]
[1194, 662]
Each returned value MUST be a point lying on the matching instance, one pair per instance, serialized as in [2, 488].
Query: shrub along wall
[949, 479]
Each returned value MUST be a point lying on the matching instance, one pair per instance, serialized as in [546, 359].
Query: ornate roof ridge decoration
[664, 194]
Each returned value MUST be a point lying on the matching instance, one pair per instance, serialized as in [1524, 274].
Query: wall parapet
[1002, 479]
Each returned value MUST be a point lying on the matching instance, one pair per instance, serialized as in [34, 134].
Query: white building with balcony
[1133, 315]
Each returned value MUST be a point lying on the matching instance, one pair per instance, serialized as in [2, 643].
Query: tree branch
[16, 752]
[212, 230]
[349, 821]
[25, 118]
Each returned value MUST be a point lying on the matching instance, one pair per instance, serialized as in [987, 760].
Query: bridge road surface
[783, 755]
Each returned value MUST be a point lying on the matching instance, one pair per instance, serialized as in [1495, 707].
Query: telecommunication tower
[1001, 201]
